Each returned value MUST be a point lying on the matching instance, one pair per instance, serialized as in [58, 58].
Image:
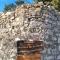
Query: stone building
[36, 22]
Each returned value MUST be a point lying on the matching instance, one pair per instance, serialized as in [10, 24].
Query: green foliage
[12, 6]
[19, 2]
[42, 0]
[56, 4]
[9, 7]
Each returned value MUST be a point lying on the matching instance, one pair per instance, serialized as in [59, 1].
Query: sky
[3, 2]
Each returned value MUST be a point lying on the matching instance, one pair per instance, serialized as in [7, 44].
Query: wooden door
[34, 56]
[29, 50]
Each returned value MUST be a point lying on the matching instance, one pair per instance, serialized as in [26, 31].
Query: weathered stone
[31, 22]
[58, 39]
[58, 58]
[59, 47]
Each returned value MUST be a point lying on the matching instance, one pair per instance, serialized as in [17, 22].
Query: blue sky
[3, 2]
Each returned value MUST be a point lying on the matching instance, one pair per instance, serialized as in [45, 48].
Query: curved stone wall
[31, 22]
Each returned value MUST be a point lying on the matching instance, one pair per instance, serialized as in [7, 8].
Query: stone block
[59, 47]
[49, 58]
[58, 39]
[58, 58]
[0, 58]
[54, 38]
[30, 19]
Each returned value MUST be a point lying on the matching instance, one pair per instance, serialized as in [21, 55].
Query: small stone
[58, 57]
[58, 39]
[58, 23]
[59, 48]
[0, 58]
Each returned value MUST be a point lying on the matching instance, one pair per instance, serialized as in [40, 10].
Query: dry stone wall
[31, 22]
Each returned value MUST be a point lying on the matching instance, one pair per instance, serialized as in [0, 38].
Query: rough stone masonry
[36, 22]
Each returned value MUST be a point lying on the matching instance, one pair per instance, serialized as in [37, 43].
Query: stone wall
[31, 22]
